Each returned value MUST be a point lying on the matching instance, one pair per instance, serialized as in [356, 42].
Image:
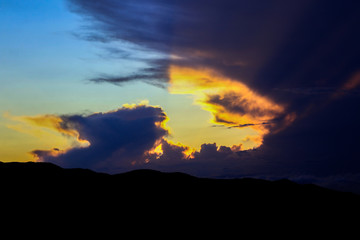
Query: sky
[225, 89]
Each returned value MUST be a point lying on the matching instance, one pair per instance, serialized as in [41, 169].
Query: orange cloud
[51, 122]
[162, 147]
[231, 103]
[51, 129]
[39, 155]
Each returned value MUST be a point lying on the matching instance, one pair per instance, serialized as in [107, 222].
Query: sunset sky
[267, 89]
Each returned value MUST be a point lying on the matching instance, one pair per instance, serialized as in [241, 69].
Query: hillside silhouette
[43, 187]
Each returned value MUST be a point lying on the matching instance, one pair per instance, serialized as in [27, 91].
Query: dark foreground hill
[144, 195]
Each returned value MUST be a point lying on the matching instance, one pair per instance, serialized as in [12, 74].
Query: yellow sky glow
[205, 83]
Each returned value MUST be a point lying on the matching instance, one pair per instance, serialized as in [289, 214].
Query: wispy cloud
[153, 76]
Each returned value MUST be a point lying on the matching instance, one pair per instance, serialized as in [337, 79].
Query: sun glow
[231, 103]
[161, 147]
[48, 128]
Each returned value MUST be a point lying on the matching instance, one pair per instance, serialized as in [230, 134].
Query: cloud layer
[269, 46]
[266, 45]
[130, 137]
[289, 70]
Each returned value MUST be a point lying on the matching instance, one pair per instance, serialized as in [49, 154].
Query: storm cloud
[276, 48]
[265, 44]
[117, 139]
[302, 56]
[130, 137]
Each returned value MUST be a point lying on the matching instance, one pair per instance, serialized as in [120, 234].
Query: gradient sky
[265, 89]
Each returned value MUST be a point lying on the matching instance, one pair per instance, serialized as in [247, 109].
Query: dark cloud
[211, 152]
[147, 23]
[250, 124]
[318, 91]
[210, 160]
[267, 45]
[300, 54]
[323, 142]
[321, 148]
[237, 104]
[153, 76]
[234, 125]
[280, 49]
[126, 139]
[246, 39]
[117, 139]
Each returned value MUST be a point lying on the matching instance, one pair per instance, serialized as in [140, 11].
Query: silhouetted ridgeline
[47, 186]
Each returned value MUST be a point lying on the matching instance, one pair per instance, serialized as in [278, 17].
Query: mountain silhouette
[47, 190]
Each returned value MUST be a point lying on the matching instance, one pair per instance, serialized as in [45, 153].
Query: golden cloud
[51, 129]
[231, 103]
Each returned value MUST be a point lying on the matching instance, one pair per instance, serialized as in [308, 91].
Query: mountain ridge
[45, 183]
[23, 171]
[81, 196]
